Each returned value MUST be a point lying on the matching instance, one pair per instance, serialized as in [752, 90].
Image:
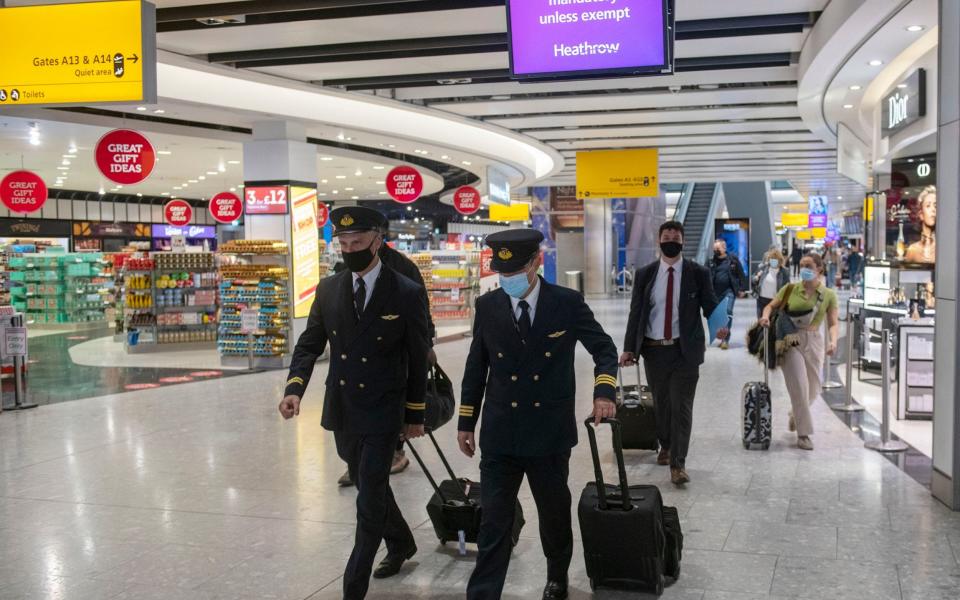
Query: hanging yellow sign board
[86, 53]
[795, 219]
[804, 235]
[518, 211]
[618, 174]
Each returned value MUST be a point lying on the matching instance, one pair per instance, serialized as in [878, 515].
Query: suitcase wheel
[746, 445]
[766, 445]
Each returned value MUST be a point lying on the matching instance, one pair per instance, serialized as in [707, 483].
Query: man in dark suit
[520, 371]
[665, 328]
[377, 327]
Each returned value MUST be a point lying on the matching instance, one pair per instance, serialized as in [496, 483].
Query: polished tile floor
[200, 491]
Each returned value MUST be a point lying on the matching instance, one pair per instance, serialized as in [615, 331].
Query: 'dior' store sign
[125, 156]
[404, 184]
[23, 192]
[178, 213]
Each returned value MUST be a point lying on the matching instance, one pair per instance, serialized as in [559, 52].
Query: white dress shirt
[658, 311]
[768, 287]
[370, 280]
[531, 299]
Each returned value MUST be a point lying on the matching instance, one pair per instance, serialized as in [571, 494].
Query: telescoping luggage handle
[446, 465]
[766, 355]
[620, 393]
[621, 467]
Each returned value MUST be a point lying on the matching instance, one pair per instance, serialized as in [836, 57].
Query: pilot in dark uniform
[520, 371]
[377, 327]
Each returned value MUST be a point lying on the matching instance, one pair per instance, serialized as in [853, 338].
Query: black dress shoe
[391, 564]
[555, 590]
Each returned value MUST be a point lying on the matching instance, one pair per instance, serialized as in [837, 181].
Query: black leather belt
[656, 343]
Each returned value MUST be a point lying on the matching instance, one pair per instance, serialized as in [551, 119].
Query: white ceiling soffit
[188, 80]
[793, 125]
[631, 101]
[686, 141]
[841, 30]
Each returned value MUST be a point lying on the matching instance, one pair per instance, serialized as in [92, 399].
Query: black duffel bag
[440, 399]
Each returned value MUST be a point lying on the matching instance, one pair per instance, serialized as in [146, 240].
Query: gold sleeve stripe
[606, 379]
[466, 412]
[417, 405]
[293, 380]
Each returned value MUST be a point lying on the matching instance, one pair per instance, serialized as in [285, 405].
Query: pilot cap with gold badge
[513, 249]
[353, 219]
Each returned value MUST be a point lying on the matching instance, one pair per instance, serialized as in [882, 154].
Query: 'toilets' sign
[87, 53]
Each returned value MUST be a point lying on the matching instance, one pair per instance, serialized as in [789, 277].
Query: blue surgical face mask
[515, 285]
[808, 274]
[774, 263]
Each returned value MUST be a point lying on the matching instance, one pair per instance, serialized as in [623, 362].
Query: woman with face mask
[770, 278]
[806, 305]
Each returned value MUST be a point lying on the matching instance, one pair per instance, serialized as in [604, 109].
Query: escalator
[698, 212]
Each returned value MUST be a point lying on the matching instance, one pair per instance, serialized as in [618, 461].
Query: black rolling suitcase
[454, 509]
[757, 408]
[636, 415]
[625, 538]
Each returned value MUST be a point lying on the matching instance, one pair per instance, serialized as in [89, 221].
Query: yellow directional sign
[517, 211]
[87, 53]
[618, 174]
[795, 220]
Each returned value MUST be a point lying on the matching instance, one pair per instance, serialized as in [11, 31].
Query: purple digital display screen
[549, 38]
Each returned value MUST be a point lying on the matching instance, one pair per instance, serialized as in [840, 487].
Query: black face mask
[359, 260]
[671, 249]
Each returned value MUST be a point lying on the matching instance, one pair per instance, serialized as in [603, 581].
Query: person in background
[377, 327]
[830, 262]
[854, 266]
[770, 278]
[666, 329]
[795, 256]
[519, 380]
[728, 281]
[807, 304]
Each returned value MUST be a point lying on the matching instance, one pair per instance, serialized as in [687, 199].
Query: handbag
[440, 400]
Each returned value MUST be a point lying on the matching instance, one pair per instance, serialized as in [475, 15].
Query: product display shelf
[254, 275]
[60, 289]
[452, 279]
[4, 278]
[171, 302]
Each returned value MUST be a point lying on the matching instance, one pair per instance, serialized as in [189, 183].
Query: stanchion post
[885, 444]
[250, 351]
[19, 390]
[848, 404]
[828, 384]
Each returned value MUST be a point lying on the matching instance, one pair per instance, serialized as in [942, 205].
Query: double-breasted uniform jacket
[527, 391]
[378, 366]
[696, 295]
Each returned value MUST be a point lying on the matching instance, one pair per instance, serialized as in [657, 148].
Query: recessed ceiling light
[341, 176]
[902, 86]
[915, 28]
[444, 157]
[165, 194]
[409, 208]
[102, 192]
[382, 193]
[324, 180]
[358, 173]
[139, 195]
[348, 189]
[201, 178]
[839, 197]
[848, 106]
[391, 146]
[335, 192]
[341, 137]
[855, 87]
[233, 189]
[466, 162]
[880, 161]
[211, 172]
[164, 152]
[177, 187]
[141, 108]
[73, 149]
[322, 194]
[71, 155]
[66, 162]
[379, 167]
[159, 111]
[875, 63]
[381, 183]
[233, 162]
[63, 168]
[354, 197]
[192, 181]
[326, 158]
[185, 185]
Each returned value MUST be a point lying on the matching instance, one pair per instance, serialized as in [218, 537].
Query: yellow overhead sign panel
[87, 53]
[618, 174]
[518, 211]
[819, 233]
[804, 235]
[795, 219]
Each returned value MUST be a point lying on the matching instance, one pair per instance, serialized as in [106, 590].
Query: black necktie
[523, 323]
[359, 297]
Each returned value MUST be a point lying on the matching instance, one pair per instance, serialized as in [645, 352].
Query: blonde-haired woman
[770, 278]
[925, 250]
[806, 305]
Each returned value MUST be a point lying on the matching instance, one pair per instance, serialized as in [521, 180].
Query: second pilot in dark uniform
[519, 383]
[377, 326]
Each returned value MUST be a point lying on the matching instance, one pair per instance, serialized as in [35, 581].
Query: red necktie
[668, 313]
